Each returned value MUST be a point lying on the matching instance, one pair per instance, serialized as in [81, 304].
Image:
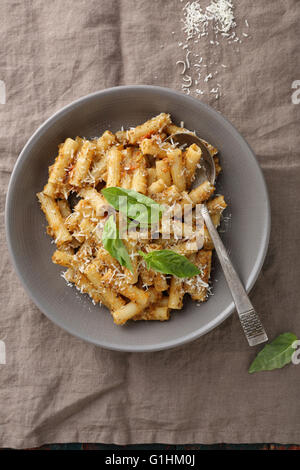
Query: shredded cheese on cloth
[209, 22]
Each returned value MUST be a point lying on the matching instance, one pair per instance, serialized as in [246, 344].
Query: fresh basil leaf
[169, 262]
[136, 206]
[113, 244]
[275, 355]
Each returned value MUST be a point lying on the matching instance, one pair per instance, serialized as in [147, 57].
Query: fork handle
[250, 321]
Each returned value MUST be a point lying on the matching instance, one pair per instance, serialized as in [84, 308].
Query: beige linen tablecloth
[56, 388]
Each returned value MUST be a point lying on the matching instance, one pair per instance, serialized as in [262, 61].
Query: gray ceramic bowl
[242, 183]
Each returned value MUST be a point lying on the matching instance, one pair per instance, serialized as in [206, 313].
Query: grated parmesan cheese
[200, 23]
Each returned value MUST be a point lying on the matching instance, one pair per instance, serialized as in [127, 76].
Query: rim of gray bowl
[223, 315]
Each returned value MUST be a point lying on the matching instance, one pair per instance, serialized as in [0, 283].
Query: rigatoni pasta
[140, 163]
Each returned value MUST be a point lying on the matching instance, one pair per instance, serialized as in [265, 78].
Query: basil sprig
[114, 245]
[169, 262]
[276, 354]
[136, 206]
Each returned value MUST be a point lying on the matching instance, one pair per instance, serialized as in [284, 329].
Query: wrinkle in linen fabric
[56, 388]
